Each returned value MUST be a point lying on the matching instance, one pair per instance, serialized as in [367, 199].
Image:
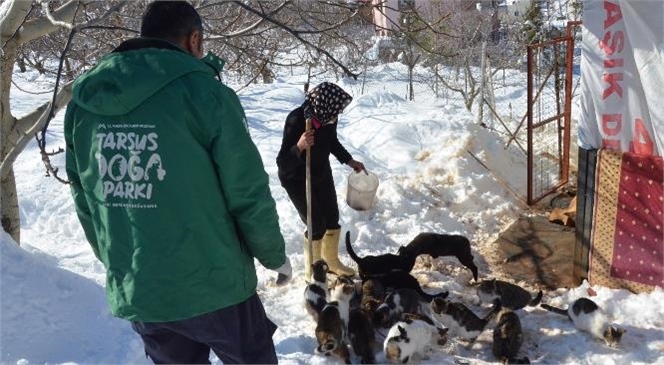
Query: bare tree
[250, 35]
[23, 22]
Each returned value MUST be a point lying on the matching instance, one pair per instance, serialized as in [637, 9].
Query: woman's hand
[306, 140]
[357, 166]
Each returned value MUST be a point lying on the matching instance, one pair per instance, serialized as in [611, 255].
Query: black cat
[376, 265]
[436, 245]
[362, 336]
[396, 279]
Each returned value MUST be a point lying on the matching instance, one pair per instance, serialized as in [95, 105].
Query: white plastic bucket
[361, 192]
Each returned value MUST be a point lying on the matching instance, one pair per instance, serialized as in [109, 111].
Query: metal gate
[550, 76]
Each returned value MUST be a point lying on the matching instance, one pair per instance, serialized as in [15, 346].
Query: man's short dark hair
[171, 20]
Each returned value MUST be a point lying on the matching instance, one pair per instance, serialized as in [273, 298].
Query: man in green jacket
[173, 196]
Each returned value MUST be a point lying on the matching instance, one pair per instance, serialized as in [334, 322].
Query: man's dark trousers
[240, 334]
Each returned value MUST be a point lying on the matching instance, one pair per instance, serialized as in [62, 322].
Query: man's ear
[195, 43]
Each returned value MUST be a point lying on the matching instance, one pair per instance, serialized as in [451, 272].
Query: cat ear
[402, 331]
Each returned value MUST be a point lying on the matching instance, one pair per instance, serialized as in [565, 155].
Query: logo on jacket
[129, 164]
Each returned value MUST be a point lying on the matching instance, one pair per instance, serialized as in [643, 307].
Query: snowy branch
[49, 16]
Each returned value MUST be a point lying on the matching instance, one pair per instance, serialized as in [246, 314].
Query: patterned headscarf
[325, 102]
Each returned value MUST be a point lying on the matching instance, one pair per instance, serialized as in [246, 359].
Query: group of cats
[387, 296]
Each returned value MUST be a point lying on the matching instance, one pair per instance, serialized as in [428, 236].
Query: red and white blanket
[627, 242]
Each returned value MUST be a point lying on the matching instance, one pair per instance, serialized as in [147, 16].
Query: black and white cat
[362, 336]
[436, 245]
[375, 265]
[508, 338]
[589, 317]
[461, 321]
[396, 279]
[397, 302]
[315, 294]
[411, 337]
[510, 295]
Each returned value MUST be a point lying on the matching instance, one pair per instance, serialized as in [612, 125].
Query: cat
[329, 333]
[315, 294]
[373, 294]
[397, 302]
[342, 291]
[401, 279]
[508, 338]
[411, 337]
[511, 296]
[461, 321]
[376, 265]
[436, 245]
[589, 317]
[362, 336]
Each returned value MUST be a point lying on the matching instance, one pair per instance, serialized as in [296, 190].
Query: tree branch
[49, 16]
[298, 37]
[253, 26]
[42, 26]
[28, 126]
[11, 20]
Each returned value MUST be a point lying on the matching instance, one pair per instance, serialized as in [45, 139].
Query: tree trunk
[9, 213]
[11, 221]
[411, 93]
[20, 62]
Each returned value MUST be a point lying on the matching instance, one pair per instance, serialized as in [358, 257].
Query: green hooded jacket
[168, 185]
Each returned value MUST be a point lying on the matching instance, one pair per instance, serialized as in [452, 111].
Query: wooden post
[308, 192]
[480, 116]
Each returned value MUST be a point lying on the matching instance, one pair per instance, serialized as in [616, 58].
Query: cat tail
[555, 310]
[350, 250]
[327, 347]
[535, 301]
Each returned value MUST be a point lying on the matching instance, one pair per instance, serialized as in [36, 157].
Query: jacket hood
[135, 71]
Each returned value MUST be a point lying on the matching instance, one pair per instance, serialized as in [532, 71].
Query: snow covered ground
[53, 308]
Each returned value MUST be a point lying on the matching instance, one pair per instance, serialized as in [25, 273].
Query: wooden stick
[308, 191]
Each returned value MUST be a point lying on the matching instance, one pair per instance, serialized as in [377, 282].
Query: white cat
[411, 337]
[589, 317]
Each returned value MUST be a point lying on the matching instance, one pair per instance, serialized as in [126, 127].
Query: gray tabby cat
[511, 296]
[508, 338]
[461, 321]
[589, 317]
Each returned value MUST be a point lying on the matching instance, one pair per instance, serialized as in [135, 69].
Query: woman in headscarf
[322, 106]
